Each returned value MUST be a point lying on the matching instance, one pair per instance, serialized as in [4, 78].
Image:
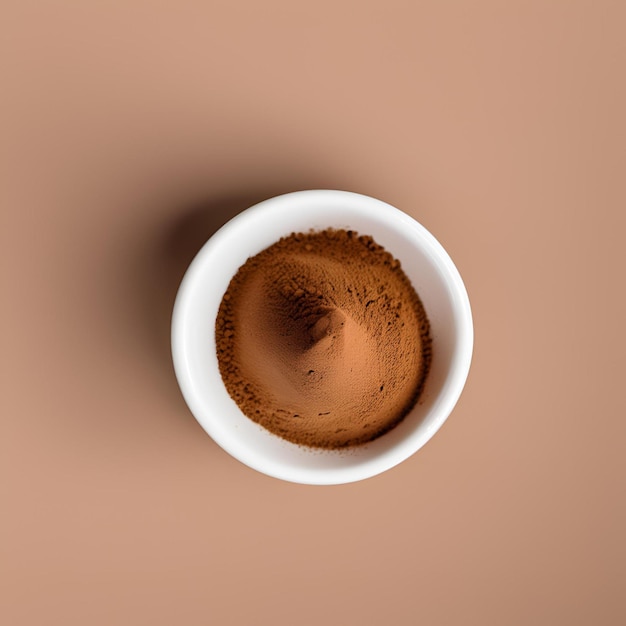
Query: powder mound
[322, 339]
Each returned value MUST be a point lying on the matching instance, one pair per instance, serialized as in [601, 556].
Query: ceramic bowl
[430, 270]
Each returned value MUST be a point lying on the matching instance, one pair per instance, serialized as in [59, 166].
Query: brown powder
[322, 339]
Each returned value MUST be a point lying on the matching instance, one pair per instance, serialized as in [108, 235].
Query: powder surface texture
[322, 339]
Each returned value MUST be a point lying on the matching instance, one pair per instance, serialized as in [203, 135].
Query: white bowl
[432, 274]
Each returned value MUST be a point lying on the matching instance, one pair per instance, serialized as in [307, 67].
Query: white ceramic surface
[431, 272]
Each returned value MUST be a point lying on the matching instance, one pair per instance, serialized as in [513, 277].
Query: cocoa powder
[322, 339]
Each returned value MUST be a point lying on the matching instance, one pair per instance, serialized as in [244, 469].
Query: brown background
[131, 130]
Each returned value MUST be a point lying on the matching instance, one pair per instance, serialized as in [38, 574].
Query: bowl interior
[426, 264]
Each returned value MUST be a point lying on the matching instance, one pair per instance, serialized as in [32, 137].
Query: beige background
[131, 130]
